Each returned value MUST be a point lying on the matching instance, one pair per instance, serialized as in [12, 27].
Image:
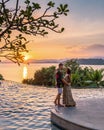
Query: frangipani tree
[25, 21]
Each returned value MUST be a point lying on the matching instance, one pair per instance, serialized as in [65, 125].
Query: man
[60, 84]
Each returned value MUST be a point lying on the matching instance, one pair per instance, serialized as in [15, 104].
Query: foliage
[88, 77]
[12, 50]
[45, 77]
[28, 81]
[25, 20]
[80, 78]
[72, 64]
[96, 76]
[1, 77]
[84, 77]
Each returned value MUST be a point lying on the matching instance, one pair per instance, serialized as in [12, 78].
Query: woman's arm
[65, 82]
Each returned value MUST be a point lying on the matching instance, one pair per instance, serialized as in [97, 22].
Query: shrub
[1, 77]
[81, 77]
[73, 65]
[45, 76]
[28, 81]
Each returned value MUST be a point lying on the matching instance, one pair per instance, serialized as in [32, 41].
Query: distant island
[91, 61]
[81, 61]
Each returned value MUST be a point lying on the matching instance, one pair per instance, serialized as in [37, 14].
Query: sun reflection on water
[25, 72]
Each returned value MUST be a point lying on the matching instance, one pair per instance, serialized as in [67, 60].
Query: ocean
[13, 72]
[25, 107]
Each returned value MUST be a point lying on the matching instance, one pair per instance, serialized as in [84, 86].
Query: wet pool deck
[87, 115]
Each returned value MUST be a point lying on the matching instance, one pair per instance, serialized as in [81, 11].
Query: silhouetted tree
[25, 21]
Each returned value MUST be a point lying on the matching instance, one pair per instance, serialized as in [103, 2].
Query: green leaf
[62, 29]
[29, 9]
[45, 33]
[8, 36]
[65, 6]
[1, 20]
[59, 10]
[55, 15]
[61, 7]
[36, 6]
[65, 14]
[24, 28]
[0, 29]
[9, 32]
[67, 10]
[27, 2]
[24, 46]
[20, 35]
[51, 4]
[32, 27]
[43, 30]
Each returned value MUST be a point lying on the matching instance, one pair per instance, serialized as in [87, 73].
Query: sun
[26, 57]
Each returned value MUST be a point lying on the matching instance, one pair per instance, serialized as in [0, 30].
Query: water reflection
[17, 73]
[24, 107]
[25, 72]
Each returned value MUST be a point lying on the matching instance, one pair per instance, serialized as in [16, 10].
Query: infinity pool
[25, 107]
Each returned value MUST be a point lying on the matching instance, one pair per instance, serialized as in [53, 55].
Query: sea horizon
[13, 72]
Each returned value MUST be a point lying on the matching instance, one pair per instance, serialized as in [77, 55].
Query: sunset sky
[83, 36]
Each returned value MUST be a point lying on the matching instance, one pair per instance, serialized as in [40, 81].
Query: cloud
[93, 50]
[95, 47]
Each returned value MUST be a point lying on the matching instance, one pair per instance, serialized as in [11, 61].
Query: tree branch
[24, 21]
[5, 13]
[16, 10]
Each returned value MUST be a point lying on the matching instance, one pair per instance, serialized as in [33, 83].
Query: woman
[67, 94]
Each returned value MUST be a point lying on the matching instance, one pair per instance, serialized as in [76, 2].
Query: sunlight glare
[26, 57]
[25, 72]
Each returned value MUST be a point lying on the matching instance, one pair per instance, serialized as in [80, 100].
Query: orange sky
[83, 36]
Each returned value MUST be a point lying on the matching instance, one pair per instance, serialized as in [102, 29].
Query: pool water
[27, 107]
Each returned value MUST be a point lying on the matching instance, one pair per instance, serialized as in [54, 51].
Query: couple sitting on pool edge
[63, 84]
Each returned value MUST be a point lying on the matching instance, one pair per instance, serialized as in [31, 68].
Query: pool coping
[79, 120]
